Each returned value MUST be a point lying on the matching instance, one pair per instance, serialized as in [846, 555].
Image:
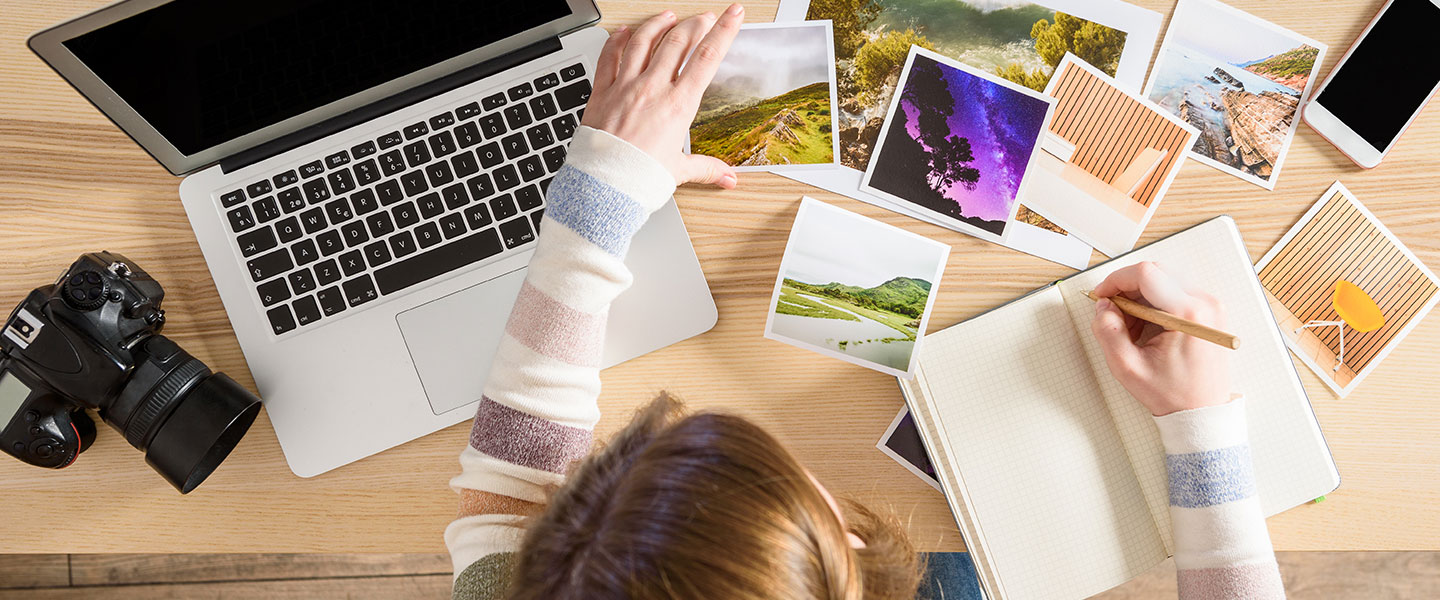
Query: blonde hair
[705, 506]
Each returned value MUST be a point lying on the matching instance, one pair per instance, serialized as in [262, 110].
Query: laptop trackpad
[453, 340]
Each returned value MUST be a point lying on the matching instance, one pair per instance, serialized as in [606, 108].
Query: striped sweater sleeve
[1222, 548]
[539, 405]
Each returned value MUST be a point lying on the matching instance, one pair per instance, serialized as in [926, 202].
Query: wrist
[621, 165]
[1220, 425]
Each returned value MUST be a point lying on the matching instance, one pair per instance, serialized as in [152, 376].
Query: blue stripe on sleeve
[1201, 479]
[596, 211]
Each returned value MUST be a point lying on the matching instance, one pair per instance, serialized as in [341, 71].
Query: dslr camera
[92, 341]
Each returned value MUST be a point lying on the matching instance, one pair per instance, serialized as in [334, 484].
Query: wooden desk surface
[70, 182]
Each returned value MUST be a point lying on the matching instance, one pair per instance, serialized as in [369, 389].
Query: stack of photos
[1238, 79]
[1109, 155]
[1346, 275]
[853, 288]
[771, 105]
[957, 143]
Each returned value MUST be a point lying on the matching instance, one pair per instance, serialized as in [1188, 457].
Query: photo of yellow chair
[1356, 309]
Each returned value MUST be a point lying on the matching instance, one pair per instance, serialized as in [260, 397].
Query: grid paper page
[1049, 485]
[1292, 463]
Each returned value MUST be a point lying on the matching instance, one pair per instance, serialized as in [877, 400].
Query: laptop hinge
[390, 104]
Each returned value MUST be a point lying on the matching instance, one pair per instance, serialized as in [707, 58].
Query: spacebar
[433, 263]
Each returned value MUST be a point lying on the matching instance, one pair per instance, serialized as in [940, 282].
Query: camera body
[92, 340]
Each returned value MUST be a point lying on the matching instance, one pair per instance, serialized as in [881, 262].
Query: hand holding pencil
[1166, 369]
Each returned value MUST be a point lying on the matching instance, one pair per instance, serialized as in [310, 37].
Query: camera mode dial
[85, 290]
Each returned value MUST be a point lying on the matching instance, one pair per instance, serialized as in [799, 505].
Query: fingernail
[623, 29]
[669, 15]
[735, 9]
[728, 182]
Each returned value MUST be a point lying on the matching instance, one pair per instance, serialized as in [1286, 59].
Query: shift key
[270, 265]
[439, 261]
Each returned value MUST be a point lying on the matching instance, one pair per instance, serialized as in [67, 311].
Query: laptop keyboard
[408, 206]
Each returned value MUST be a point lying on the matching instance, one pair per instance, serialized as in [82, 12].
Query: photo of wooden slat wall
[1341, 243]
[1110, 128]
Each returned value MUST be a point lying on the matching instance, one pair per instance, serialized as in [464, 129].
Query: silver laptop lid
[196, 82]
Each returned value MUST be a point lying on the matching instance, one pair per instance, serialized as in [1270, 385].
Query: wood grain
[132, 569]
[70, 182]
[418, 587]
[34, 570]
[1319, 575]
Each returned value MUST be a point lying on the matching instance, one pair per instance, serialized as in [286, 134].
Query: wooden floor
[1369, 575]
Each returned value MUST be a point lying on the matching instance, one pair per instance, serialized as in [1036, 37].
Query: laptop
[366, 180]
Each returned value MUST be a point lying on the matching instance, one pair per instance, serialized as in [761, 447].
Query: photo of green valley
[771, 100]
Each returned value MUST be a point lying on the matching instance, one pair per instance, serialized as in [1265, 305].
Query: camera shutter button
[45, 448]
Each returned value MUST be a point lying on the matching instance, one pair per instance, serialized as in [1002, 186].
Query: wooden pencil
[1171, 322]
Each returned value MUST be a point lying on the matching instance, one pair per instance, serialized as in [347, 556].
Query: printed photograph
[1344, 289]
[902, 443]
[1108, 155]
[854, 288]
[958, 143]
[1237, 79]
[772, 102]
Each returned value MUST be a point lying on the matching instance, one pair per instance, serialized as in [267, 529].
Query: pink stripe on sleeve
[553, 329]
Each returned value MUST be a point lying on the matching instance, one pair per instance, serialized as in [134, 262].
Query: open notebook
[1055, 474]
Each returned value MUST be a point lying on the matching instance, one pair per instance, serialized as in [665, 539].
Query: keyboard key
[437, 261]
[380, 225]
[266, 209]
[364, 202]
[392, 163]
[517, 116]
[352, 262]
[573, 95]
[316, 192]
[535, 218]
[367, 172]
[360, 290]
[229, 199]
[469, 110]
[312, 169]
[327, 272]
[416, 154]
[240, 219]
[301, 281]
[464, 164]
[339, 211]
[441, 121]
[543, 107]
[455, 196]
[414, 182]
[330, 242]
[545, 82]
[259, 188]
[564, 127]
[506, 177]
[341, 182]
[477, 216]
[288, 230]
[572, 71]
[528, 198]
[257, 241]
[452, 225]
[306, 312]
[489, 155]
[493, 102]
[305, 253]
[545, 185]
[377, 254]
[332, 302]
[516, 232]
[269, 265]
[389, 192]
[492, 125]
[439, 173]
[402, 244]
[430, 205]
[405, 215]
[442, 144]
[539, 136]
[531, 168]
[480, 187]
[290, 199]
[354, 234]
[360, 151]
[280, 320]
[286, 178]
[554, 158]
[504, 207]
[390, 140]
[273, 292]
[520, 91]
[514, 146]
[416, 130]
[337, 159]
[427, 235]
[467, 135]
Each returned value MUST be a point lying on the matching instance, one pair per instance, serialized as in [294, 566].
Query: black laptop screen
[204, 72]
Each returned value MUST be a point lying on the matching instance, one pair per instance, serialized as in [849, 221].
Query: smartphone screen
[1387, 78]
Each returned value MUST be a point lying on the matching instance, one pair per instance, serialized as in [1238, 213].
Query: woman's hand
[1167, 371]
[641, 95]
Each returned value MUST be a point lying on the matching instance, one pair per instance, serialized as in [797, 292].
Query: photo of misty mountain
[771, 100]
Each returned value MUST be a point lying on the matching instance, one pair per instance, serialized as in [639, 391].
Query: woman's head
[705, 506]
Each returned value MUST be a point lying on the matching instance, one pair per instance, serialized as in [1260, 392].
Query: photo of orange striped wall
[1110, 130]
[1340, 241]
